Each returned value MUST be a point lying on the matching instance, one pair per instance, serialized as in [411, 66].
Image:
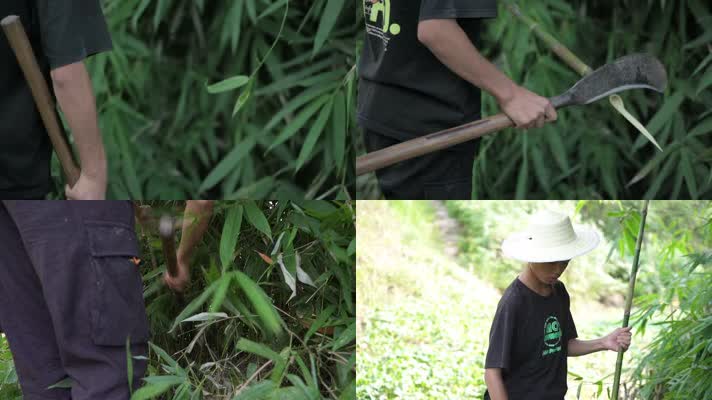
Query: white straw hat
[549, 237]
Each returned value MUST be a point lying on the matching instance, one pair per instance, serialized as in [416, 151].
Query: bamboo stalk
[554, 45]
[629, 297]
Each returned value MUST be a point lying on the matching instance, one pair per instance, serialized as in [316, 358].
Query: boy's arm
[451, 45]
[495, 385]
[75, 97]
[618, 340]
[195, 222]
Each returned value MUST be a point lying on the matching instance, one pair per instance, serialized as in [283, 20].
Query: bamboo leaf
[260, 301]
[299, 122]
[346, 337]
[705, 81]
[313, 135]
[324, 315]
[257, 218]
[228, 164]
[328, 21]
[230, 233]
[229, 84]
[339, 128]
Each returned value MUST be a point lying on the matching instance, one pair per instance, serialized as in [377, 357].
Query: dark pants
[70, 296]
[443, 175]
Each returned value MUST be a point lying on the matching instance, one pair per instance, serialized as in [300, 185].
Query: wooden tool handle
[430, 143]
[20, 44]
[166, 229]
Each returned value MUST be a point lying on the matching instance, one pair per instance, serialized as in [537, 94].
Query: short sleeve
[72, 30]
[453, 9]
[502, 335]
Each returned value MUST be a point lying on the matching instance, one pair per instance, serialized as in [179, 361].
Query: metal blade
[635, 71]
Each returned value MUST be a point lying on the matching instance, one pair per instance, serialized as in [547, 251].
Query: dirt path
[449, 228]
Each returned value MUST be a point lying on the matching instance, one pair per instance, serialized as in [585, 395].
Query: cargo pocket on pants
[117, 310]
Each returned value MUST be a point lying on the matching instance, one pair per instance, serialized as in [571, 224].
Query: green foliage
[592, 152]
[227, 99]
[8, 377]
[236, 325]
[677, 364]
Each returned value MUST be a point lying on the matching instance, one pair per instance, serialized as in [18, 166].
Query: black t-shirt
[61, 32]
[404, 90]
[528, 341]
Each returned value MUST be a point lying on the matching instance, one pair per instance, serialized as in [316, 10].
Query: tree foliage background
[592, 152]
[237, 332]
[289, 65]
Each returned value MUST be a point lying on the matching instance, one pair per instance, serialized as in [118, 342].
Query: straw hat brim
[519, 247]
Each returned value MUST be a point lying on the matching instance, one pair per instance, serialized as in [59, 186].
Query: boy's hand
[179, 282]
[527, 109]
[618, 340]
[88, 187]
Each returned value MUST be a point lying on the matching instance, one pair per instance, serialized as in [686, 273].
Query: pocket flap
[108, 239]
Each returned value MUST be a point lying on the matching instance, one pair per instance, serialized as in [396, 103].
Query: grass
[411, 344]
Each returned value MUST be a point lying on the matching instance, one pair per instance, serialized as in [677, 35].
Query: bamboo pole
[629, 297]
[554, 45]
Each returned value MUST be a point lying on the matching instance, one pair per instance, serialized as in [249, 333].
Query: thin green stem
[629, 297]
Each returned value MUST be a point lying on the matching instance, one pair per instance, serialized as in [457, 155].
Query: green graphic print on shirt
[378, 21]
[552, 336]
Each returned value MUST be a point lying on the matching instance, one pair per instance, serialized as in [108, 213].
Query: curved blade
[635, 71]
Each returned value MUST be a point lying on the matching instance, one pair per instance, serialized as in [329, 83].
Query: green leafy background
[227, 99]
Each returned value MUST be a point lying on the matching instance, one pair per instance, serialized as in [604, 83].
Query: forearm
[451, 45]
[578, 347]
[495, 384]
[75, 97]
[195, 223]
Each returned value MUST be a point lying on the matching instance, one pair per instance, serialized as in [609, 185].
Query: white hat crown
[549, 237]
[550, 229]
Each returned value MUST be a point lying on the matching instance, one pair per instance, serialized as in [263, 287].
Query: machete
[635, 71]
[17, 37]
[166, 228]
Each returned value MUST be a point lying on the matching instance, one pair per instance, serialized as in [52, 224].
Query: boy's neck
[530, 281]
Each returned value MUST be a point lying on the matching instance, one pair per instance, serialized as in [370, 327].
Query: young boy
[533, 331]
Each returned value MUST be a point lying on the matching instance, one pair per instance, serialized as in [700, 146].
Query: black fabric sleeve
[453, 9]
[570, 326]
[72, 30]
[502, 334]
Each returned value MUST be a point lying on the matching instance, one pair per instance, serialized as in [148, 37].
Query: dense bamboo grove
[592, 151]
[237, 333]
[169, 137]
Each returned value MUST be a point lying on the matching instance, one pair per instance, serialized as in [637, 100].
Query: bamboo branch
[554, 45]
[629, 297]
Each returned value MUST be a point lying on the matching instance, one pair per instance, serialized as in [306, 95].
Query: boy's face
[548, 272]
